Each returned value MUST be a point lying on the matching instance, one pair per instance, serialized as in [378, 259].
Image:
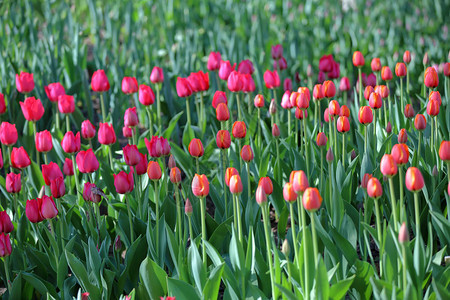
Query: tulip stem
[10, 159]
[343, 151]
[280, 176]
[264, 209]
[432, 135]
[102, 104]
[335, 137]
[401, 96]
[289, 122]
[239, 217]
[305, 253]
[249, 187]
[314, 237]
[56, 115]
[179, 218]
[67, 123]
[239, 154]
[404, 266]
[197, 109]
[385, 113]
[276, 104]
[202, 109]
[315, 110]
[155, 191]
[158, 111]
[249, 103]
[296, 133]
[417, 212]
[418, 147]
[390, 107]
[238, 101]
[77, 183]
[306, 146]
[393, 202]
[197, 163]
[259, 128]
[375, 128]
[203, 221]
[188, 112]
[45, 158]
[330, 188]
[8, 278]
[224, 183]
[164, 178]
[191, 233]
[448, 170]
[365, 139]
[294, 234]
[110, 156]
[16, 208]
[321, 168]
[150, 121]
[38, 159]
[400, 177]
[360, 86]
[61, 220]
[407, 80]
[380, 237]
[129, 219]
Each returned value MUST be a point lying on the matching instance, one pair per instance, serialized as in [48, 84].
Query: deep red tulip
[184, 89]
[409, 111]
[344, 85]
[87, 161]
[225, 69]
[158, 146]
[13, 183]
[127, 132]
[222, 112]
[214, 60]
[326, 63]
[277, 51]
[219, 97]
[5, 245]
[246, 67]
[388, 167]
[358, 59]
[287, 84]
[71, 143]
[2, 104]
[400, 154]
[271, 79]
[414, 179]
[130, 118]
[196, 148]
[43, 141]
[431, 78]
[223, 139]
[124, 182]
[90, 193]
[247, 153]
[48, 208]
[198, 81]
[343, 125]
[375, 65]
[266, 184]
[106, 134]
[32, 109]
[236, 186]
[400, 70]
[68, 167]
[50, 172]
[365, 115]
[371, 80]
[334, 108]
[175, 175]
[335, 71]
[261, 196]
[407, 57]
[248, 85]
[368, 91]
[141, 167]
[420, 123]
[374, 189]
[235, 82]
[433, 108]
[275, 131]
[24, 82]
[33, 210]
[54, 90]
[365, 180]
[20, 158]
[146, 95]
[389, 127]
[66, 104]
[375, 101]
[311, 199]
[386, 73]
[229, 173]
[200, 186]
[87, 130]
[129, 85]
[328, 89]
[57, 187]
[131, 155]
[154, 171]
[288, 192]
[6, 226]
[99, 82]
[321, 139]
[157, 75]
[402, 136]
[444, 151]
[239, 130]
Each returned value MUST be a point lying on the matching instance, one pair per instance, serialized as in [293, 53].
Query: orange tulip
[414, 179]
[311, 199]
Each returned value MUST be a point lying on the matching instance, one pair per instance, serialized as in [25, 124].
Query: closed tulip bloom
[329, 156]
[375, 101]
[402, 136]
[261, 196]
[2, 104]
[277, 51]
[127, 132]
[24, 82]
[239, 130]
[68, 167]
[99, 82]
[87, 161]
[409, 111]
[32, 109]
[311, 199]
[371, 80]
[131, 155]
[13, 183]
[365, 180]
[248, 83]
[403, 234]
[90, 194]
[157, 75]
[436, 96]
[130, 118]
[288, 192]
[222, 112]
[225, 69]
[420, 123]
[33, 210]
[272, 107]
[446, 69]
[382, 90]
[375, 65]
[146, 95]
[374, 189]
[5, 245]
[57, 187]
[388, 166]
[318, 92]
[246, 67]
[400, 153]
[8, 134]
[106, 134]
[266, 185]
[6, 226]
[154, 171]
[326, 63]
[293, 98]
[327, 116]
[43, 141]
[343, 125]
[414, 179]
[271, 79]
[407, 57]
[275, 131]
[129, 85]
[344, 84]
[157, 146]
[172, 163]
[300, 114]
[299, 181]
[50, 172]
[124, 182]
[200, 186]
[328, 89]
[184, 89]
[431, 78]
[321, 139]
[303, 101]
[20, 158]
[358, 59]
[219, 97]
[259, 101]
[66, 104]
[287, 84]
[48, 208]
[236, 184]
[87, 130]
[368, 91]
[188, 208]
[223, 139]
[433, 108]
[335, 71]
[229, 173]
[196, 148]
[389, 127]
[175, 175]
[141, 167]
[54, 90]
[71, 143]
[247, 153]
[344, 111]
[365, 115]
[386, 73]
[235, 82]
[400, 70]
[334, 108]
[444, 151]
[285, 100]
[214, 60]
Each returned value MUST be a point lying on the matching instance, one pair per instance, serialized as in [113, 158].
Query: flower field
[224, 150]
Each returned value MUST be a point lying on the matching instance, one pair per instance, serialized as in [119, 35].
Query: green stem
[156, 195]
[129, 219]
[365, 138]
[407, 80]
[335, 138]
[249, 187]
[102, 104]
[289, 122]
[158, 109]
[360, 87]
[179, 218]
[305, 255]
[306, 145]
[418, 146]
[249, 103]
[16, 208]
[315, 111]
[188, 112]
[393, 202]
[404, 267]
[191, 233]
[276, 105]
[77, 183]
[202, 109]
[400, 177]
[385, 113]
[268, 246]
[38, 158]
[321, 168]
[432, 135]
[45, 158]
[8, 278]
[56, 115]
[110, 156]
[401, 96]
[238, 101]
[343, 150]
[61, 220]
[224, 184]
[294, 234]
[448, 170]
[150, 121]
[417, 212]
[380, 237]
[239, 217]
[197, 109]
[239, 154]
[67, 123]
[314, 236]
[330, 187]
[390, 108]
[203, 219]
[280, 177]
[259, 128]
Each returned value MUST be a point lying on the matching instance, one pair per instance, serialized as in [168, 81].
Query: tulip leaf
[154, 278]
[81, 274]
[181, 290]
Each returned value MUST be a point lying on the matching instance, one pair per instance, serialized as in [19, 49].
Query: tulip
[6, 226]
[386, 73]
[365, 180]
[66, 104]
[5, 250]
[51, 172]
[400, 154]
[400, 69]
[200, 188]
[271, 79]
[289, 194]
[106, 134]
[287, 84]
[409, 111]
[277, 51]
[2, 104]
[414, 180]
[175, 175]
[259, 101]
[154, 171]
[328, 89]
[229, 173]
[375, 65]
[285, 101]
[71, 143]
[24, 82]
[358, 59]
[19, 158]
[146, 95]
[235, 82]
[374, 189]
[130, 118]
[124, 184]
[43, 141]
[321, 139]
[87, 161]
[420, 123]
[214, 60]
[236, 186]
[157, 75]
[275, 131]
[131, 155]
[435, 95]
[388, 168]
[311, 202]
[158, 146]
[266, 185]
[196, 150]
[32, 109]
[68, 167]
[433, 108]
[299, 182]
[33, 210]
[335, 71]
[223, 139]
[90, 193]
[225, 69]
[141, 167]
[261, 196]
[57, 187]
[87, 130]
[99, 82]
[239, 130]
[344, 85]
[222, 112]
[219, 97]
[54, 90]
[444, 152]
[431, 78]
[402, 136]
[13, 183]
[48, 208]
[247, 153]
[129, 85]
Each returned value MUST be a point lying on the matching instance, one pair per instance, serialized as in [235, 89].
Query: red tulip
[321, 139]
[287, 84]
[90, 194]
[71, 143]
[285, 100]
[43, 141]
[365, 180]
[414, 179]
[225, 69]
[127, 132]
[184, 89]
[129, 85]
[99, 81]
[326, 63]
[204, 80]
[2, 104]
[344, 85]
[68, 167]
[188, 208]
[222, 112]
[48, 208]
[200, 186]
[124, 182]
[266, 185]
[386, 73]
[32, 109]
[175, 175]
[436, 96]
[299, 114]
[344, 111]
[311, 199]
[20, 158]
[24, 82]
[5, 245]
[375, 65]
[246, 67]
[235, 82]
[248, 85]
[146, 95]
[288, 192]
[157, 75]
[6, 226]
[54, 90]
[259, 101]
[365, 115]
[236, 186]
[400, 70]
[335, 71]
[388, 166]
[33, 210]
[375, 101]
[382, 90]
[446, 69]
[141, 167]
[229, 173]
[328, 89]
[358, 59]
[407, 57]
[374, 189]
[343, 125]
[444, 151]
[400, 153]
[433, 108]
[239, 130]
[196, 148]
[87, 130]
[299, 181]
[271, 79]
[327, 116]
[431, 79]
[303, 101]
[198, 81]
[219, 97]
[247, 153]
[131, 155]
[13, 183]
[223, 139]
[87, 161]
[261, 196]
[50, 172]
[402, 136]
[57, 187]
[106, 134]
[334, 108]
[420, 123]
[318, 92]
[66, 104]
[214, 60]
[277, 51]
[275, 131]
[371, 80]
[409, 111]
[130, 118]
[154, 171]
[368, 91]
[157, 146]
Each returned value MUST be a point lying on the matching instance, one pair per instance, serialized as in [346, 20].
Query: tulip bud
[188, 208]
[172, 162]
[157, 75]
[420, 123]
[343, 124]
[131, 155]
[375, 65]
[20, 158]
[24, 82]
[219, 97]
[54, 90]
[229, 173]
[403, 234]
[85, 296]
[400, 70]
[123, 182]
[328, 89]
[436, 96]
[407, 57]
[141, 167]
[146, 95]
[43, 141]
[368, 91]
[402, 136]
[222, 112]
[374, 189]
[239, 130]
[285, 247]
[311, 199]
[157, 146]
[127, 132]
[275, 131]
[321, 139]
[13, 183]
[388, 166]
[2, 104]
[6, 226]
[32, 109]
[129, 85]
[433, 108]
[277, 51]
[200, 185]
[389, 128]
[5, 245]
[196, 148]
[117, 243]
[330, 155]
[8, 134]
[57, 187]
[375, 101]
[214, 60]
[386, 74]
[50, 172]
[48, 208]
[344, 84]
[87, 161]
[273, 107]
[352, 155]
[365, 180]
[184, 89]
[409, 111]
[444, 151]
[271, 79]
[261, 196]
[154, 171]
[365, 115]
[66, 104]
[299, 181]
[266, 184]
[225, 69]
[431, 78]
[71, 143]
[414, 179]
[99, 82]
[446, 69]
[175, 175]
[247, 153]
[358, 59]
[286, 100]
[235, 82]
[259, 101]
[87, 130]
[223, 139]
[400, 154]
[425, 60]
[318, 92]
[33, 210]
[130, 118]
[236, 186]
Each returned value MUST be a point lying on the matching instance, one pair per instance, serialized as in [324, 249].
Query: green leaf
[81, 274]
[154, 278]
[340, 289]
[212, 286]
[181, 290]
